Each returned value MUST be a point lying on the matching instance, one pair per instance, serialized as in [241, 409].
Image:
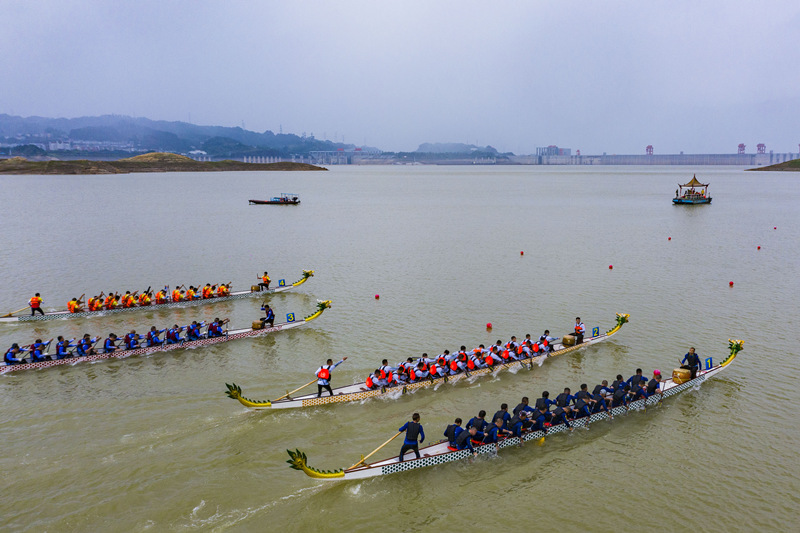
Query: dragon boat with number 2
[360, 391]
[440, 453]
[254, 291]
[149, 350]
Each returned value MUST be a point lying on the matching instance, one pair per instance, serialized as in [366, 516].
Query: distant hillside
[145, 134]
[454, 148]
[153, 162]
[793, 165]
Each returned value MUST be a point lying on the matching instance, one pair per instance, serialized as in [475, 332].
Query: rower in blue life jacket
[414, 433]
[453, 431]
[215, 328]
[503, 415]
[15, 355]
[193, 331]
[110, 346]
[152, 336]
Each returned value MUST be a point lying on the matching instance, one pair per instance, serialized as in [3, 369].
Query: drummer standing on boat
[324, 376]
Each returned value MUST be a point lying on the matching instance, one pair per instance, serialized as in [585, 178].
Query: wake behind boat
[441, 452]
[360, 391]
[148, 350]
[255, 290]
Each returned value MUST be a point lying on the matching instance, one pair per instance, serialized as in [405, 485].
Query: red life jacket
[545, 343]
[519, 350]
[412, 375]
[454, 366]
[370, 383]
[535, 348]
[324, 373]
[434, 370]
[35, 301]
[424, 367]
[441, 361]
[471, 364]
[504, 354]
[489, 360]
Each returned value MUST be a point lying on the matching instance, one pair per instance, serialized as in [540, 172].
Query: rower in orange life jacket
[92, 303]
[191, 294]
[580, 330]
[324, 375]
[161, 296]
[222, 290]
[264, 281]
[128, 301]
[177, 295]
[207, 292]
[110, 302]
[74, 306]
[144, 299]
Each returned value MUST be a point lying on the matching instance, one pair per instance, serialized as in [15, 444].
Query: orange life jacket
[35, 302]
[535, 348]
[207, 291]
[424, 367]
[454, 365]
[71, 305]
[441, 361]
[504, 354]
[109, 302]
[161, 297]
[434, 370]
[221, 290]
[519, 350]
[176, 295]
[265, 279]
[412, 375]
[489, 360]
[144, 299]
[471, 365]
[324, 373]
[370, 383]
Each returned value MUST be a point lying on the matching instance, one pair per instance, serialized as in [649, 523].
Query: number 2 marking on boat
[289, 317]
[595, 332]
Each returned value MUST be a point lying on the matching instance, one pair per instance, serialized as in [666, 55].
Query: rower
[373, 381]
[127, 300]
[583, 394]
[270, 315]
[496, 432]
[620, 397]
[414, 432]
[174, 334]
[222, 290]
[152, 336]
[523, 406]
[215, 328]
[191, 293]
[86, 346]
[161, 296]
[653, 384]
[503, 415]
[14, 355]
[62, 347]
[177, 294]
[131, 340]
[636, 379]
[386, 371]
[512, 343]
[36, 304]
[519, 424]
[264, 281]
[560, 416]
[145, 299]
[538, 418]
[464, 440]
[637, 392]
[583, 405]
[600, 404]
[452, 432]
[323, 374]
[193, 331]
[565, 398]
[602, 389]
[37, 352]
[546, 341]
[110, 301]
[691, 361]
[74, 306]
[109, 346]
[544, 402]
[207, 292]
[618, 383]
[479, 423]
[420, 372]
[579, 329]
[95, 303]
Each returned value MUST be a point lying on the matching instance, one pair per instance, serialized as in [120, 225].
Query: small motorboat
[283, 199]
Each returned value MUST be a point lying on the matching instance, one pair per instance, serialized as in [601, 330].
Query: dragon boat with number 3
[149, 350]
[255, 290]
[439, 453]
[360, 391]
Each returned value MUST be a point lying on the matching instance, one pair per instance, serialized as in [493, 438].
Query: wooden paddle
[17, 311]
[363, 459]
[297, 389]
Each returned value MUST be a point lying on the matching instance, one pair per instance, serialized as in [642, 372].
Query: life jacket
[110, 302]
[172, 334]
[535, 348]
[504, 354]
[370, 383]
[462, 356]
[221, 290]
[412, 433]
[578, 328]
[71, 305]
[151, 335]
[519, 350]
[207, 291]
[129, 301]
[424, 367]
[434, 371]
[324, 372]
[489, 360]
[161, 297]
[471, 364]
[441, 361]
[144, 299]
[176, 295]
[265, 279]
[35, 302]
[454, 365]
[412, 375]
[387, 375]
[545, 342]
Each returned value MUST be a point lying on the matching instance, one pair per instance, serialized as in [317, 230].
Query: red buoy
[610, 267]
[730, 284]
[759, 247]
[776, 227]
[522, 253]
[377, 296]
[488, 325]
[669, 238]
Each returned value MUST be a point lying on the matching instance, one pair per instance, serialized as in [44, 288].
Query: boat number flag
[595, 332]
[289, 317]
[281, 283]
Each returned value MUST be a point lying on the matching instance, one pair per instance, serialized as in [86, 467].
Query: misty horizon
[516, 76]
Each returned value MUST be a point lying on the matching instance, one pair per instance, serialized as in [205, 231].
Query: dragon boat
[122, 354]
[439, 453]
[254, 291]
[360, 391]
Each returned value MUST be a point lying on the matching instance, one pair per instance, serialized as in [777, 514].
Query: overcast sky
[599, 76]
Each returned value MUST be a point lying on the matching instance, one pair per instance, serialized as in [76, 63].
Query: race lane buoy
[759, 248]
[488, 325]
[610, 267]
[377, 296]
[730, 284]
[521, 252]
[669, 238]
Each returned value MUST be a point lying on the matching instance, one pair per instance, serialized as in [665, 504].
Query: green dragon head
[297, 461]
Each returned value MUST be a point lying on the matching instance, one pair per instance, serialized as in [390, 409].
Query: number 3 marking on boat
[595, 332]
[289, 317]
[281, 283]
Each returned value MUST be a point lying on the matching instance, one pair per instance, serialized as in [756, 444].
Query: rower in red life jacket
[174, 334]
[144, 299]
[373, 380]
[324, 376]
[512, 343]
[152, 336]
[36, 304]
[546, 341]
[387, 372]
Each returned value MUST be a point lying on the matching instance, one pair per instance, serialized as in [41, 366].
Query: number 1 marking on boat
[709, 363]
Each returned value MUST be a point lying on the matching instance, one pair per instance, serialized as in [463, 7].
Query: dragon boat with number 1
[360, 391]
[254, 291]
[440, 453]
[149, 350]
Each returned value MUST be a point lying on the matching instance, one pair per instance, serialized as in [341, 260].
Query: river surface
[153, 444]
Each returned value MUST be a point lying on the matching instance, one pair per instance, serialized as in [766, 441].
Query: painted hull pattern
[58, 315]
[122, 354]
[439, 453]
[359, 391]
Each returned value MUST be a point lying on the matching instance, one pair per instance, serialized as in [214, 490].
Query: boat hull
[686, 201]
[271, 202]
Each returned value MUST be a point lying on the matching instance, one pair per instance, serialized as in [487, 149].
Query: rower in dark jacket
[453, 431]
[464, 440]
[479, 423]
[691, 361]
[414, 432]
[503, 415]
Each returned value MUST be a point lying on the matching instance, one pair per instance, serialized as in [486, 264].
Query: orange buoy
[377, 296]
[730, 284]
